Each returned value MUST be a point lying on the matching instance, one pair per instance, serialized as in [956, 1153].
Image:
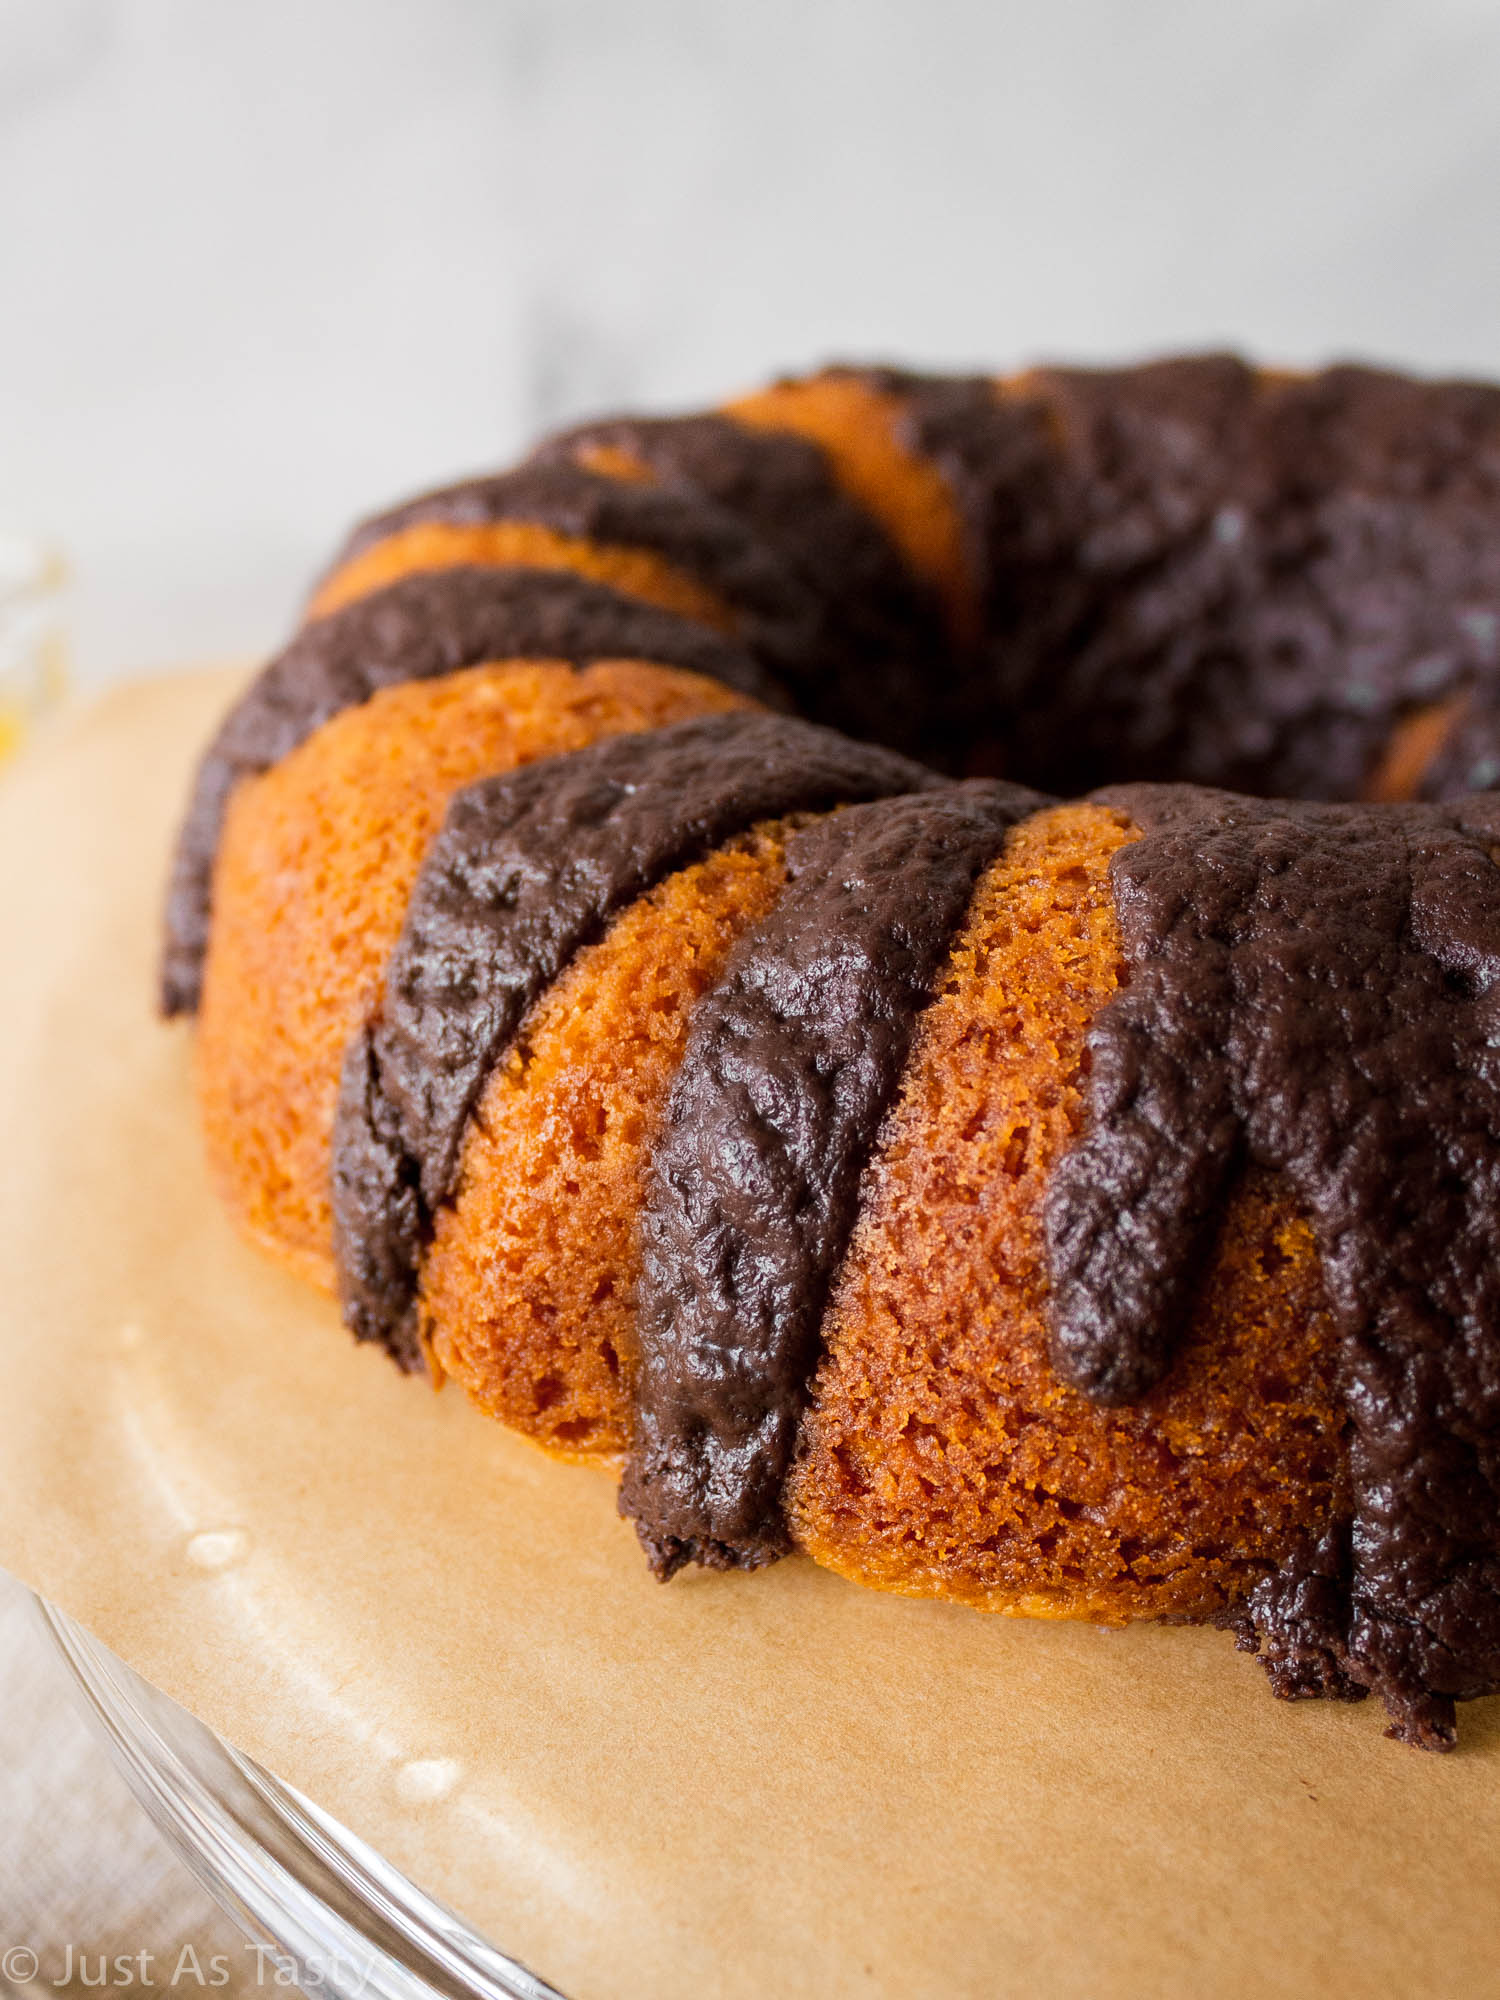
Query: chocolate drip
[1316, 988]
[779, 618]
[882, 669]
[527, 868]
[413, 630]
[790, 1066]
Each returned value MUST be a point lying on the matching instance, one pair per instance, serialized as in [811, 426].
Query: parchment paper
[738, 1786]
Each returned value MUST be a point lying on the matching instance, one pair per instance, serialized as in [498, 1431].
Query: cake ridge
[1318, 986]
[791, 1064]
[416, 628]
[525, 870]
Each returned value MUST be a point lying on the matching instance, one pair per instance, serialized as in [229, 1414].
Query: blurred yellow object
[33, 652]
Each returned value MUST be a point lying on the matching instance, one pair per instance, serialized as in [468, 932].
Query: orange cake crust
[430, 545]
[859, 426]
[941, 1455]
[529, 1282]
[314, 870]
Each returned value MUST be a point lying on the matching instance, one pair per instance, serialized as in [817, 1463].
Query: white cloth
[81, 1865]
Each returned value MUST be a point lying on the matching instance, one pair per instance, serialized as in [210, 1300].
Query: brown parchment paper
[738, 1786]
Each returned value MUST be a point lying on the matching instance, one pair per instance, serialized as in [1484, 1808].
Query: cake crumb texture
[529, 1283]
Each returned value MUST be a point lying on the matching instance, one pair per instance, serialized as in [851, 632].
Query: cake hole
[550, 1390]
[576, 1431]
[1463, 982]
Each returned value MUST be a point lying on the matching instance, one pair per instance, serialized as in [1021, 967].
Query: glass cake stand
[291, 1877]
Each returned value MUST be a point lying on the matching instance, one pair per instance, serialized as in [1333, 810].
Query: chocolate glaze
[1316, 988]
[779, 617]
[1188, 571]
[882, 668]
[1195, 571]
[527, 868]
[790, 1066]
[416, 629]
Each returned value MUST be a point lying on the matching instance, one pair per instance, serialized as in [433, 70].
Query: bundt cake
[916, 963]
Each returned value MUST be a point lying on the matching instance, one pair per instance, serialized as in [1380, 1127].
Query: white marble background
[264, 265]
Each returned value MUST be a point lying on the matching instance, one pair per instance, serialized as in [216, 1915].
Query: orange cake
[913, 964]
